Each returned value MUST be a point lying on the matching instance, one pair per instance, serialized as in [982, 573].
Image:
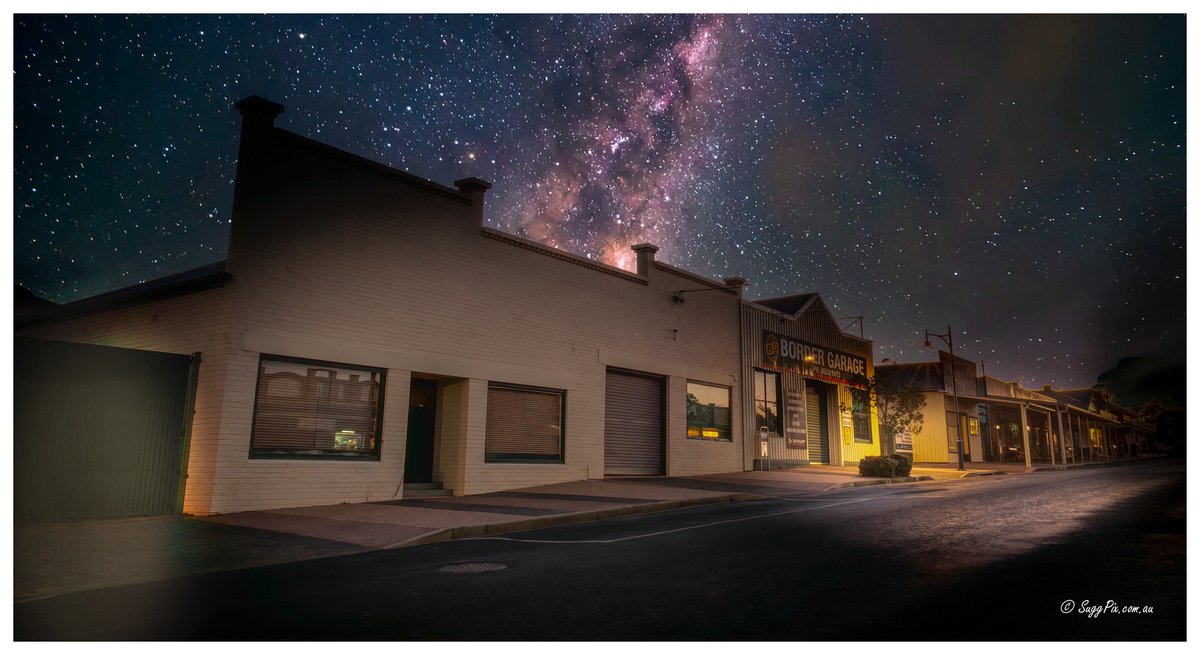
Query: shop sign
[783, 353]
[904, 442]
[797, 433]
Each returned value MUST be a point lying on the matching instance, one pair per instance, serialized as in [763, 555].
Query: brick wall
[337, 261]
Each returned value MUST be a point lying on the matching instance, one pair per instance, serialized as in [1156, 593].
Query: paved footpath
[52, 559]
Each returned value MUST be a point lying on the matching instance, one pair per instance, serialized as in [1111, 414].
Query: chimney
[258, 119]
[258, 113]
[645, 257]
[737, 283]
[474, 188]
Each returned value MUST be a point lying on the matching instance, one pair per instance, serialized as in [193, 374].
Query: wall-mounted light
[678, 295]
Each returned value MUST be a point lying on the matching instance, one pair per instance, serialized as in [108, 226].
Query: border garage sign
[784, 353]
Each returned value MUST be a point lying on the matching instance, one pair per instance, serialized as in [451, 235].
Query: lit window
[307, 408]
[524, 424]
[708, 414]
[860, 414]
[766, 401]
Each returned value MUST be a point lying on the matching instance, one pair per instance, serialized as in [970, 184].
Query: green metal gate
[818, 422]
[99, 431]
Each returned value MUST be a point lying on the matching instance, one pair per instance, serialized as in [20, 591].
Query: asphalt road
[1017, 557]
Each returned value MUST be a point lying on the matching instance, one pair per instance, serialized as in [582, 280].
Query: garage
[633, 423]
[100, 431]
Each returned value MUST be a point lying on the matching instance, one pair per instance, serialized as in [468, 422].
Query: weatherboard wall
[815, 325]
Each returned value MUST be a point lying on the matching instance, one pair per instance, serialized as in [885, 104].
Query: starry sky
[1021, 178]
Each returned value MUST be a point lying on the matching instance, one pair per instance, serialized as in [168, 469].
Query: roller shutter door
[818, 422]
[633, 424]
[102, 431]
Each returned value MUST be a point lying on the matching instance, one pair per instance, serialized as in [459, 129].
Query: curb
[1068, 467]
[556, 520]
[969, 473]
[870, 482]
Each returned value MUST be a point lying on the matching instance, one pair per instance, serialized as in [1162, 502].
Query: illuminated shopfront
[803, 370]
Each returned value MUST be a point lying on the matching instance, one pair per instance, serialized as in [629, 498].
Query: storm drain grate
[472, 567]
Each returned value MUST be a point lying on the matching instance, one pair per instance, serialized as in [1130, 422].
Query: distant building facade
[1002, 422]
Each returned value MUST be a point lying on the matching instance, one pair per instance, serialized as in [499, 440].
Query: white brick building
[366, 330]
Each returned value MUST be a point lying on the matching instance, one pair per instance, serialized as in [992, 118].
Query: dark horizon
[1020, 178]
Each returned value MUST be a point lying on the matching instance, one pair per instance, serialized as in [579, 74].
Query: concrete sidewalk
[58, 558]
[992, 468]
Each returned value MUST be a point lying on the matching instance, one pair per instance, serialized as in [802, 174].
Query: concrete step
[426, 493]
[422, 485]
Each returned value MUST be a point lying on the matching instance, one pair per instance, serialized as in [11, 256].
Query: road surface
[1017, 557]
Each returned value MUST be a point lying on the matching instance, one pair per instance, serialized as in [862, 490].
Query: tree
[899, 406]
[1102, 396]
[1150, 411]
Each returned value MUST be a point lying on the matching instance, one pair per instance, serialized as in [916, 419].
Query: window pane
[708, 415]
[760, 415]
[860, 415]
[523, 424]
[766, 401]
[771, 417]
[315, 408]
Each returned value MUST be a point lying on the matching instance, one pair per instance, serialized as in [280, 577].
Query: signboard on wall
[796, 431]
[783, 353]
[904, 442]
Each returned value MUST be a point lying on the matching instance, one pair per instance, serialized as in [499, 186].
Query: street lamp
[948, 338]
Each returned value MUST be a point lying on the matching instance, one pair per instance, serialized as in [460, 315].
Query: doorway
[817, 419]
[422, 416]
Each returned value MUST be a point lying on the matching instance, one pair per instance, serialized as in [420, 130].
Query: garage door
[99, 431]
[633, 424]
[818, 422]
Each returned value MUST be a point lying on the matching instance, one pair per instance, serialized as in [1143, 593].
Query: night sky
[1020, 178]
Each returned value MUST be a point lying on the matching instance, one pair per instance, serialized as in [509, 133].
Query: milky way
[1021, 178]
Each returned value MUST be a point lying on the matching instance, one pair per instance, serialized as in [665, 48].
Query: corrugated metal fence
[99, 431]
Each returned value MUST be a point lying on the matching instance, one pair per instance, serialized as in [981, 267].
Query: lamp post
[948, 338]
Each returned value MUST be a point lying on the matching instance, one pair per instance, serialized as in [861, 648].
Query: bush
[887, 466]
[873, 466]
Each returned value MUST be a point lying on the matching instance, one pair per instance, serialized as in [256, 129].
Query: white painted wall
[337, 261]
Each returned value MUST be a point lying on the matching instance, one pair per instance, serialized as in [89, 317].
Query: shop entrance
[817, 415]
[422, 416]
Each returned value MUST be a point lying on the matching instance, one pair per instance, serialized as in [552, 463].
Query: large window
[708, 414]
[766, 401]
[524, 424]
[860, 415]
[307, 408]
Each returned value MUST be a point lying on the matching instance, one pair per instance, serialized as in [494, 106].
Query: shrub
[887, 466]
[873, 466]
